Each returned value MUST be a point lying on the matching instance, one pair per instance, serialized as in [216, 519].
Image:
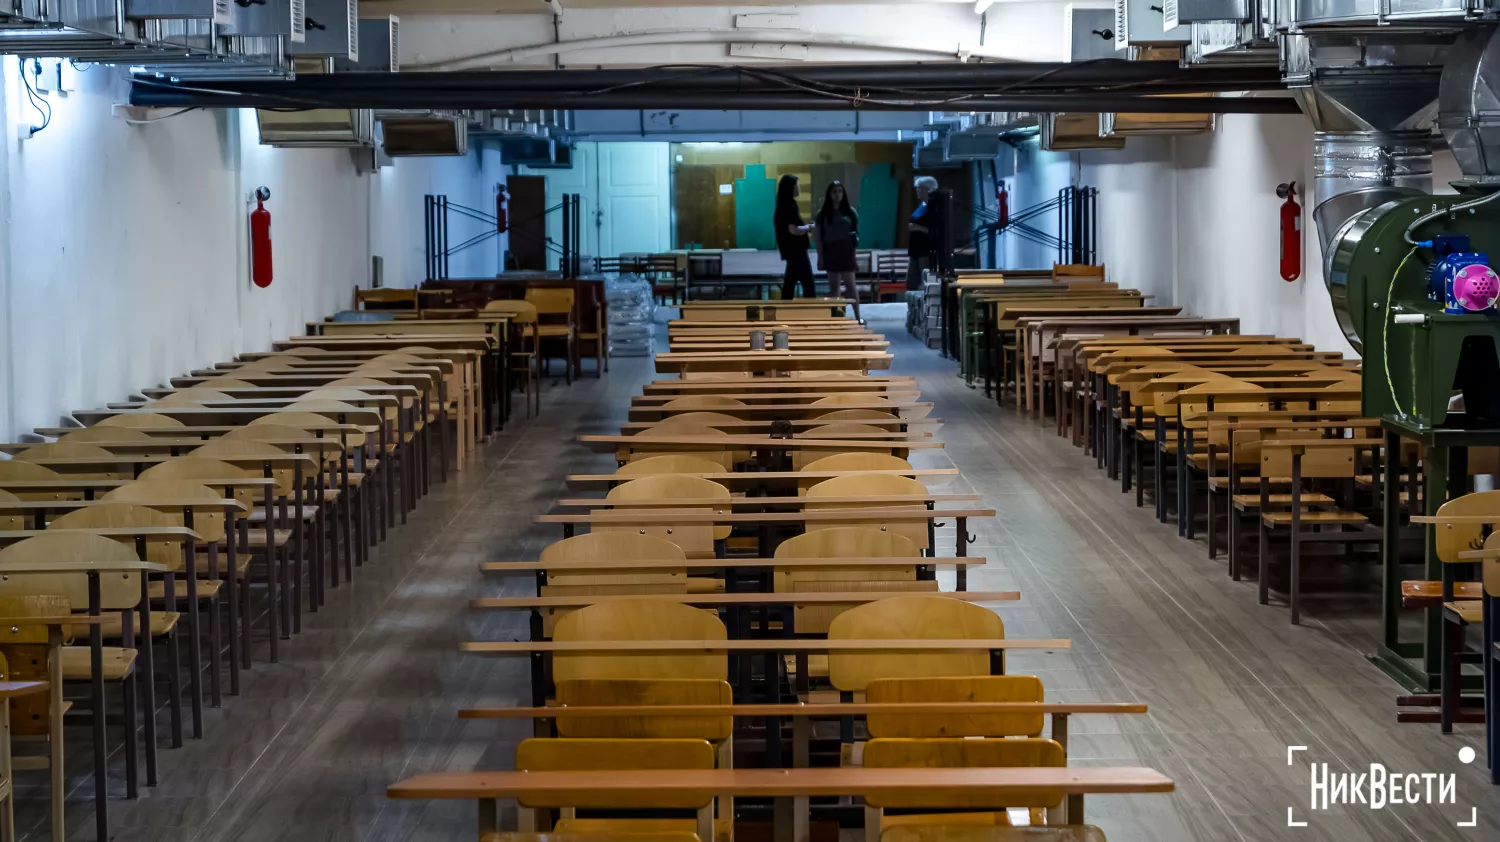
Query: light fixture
[981, 5]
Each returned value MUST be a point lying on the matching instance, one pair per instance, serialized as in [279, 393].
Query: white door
[635, 198]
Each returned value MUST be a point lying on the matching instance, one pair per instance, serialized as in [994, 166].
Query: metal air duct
[1469, 105]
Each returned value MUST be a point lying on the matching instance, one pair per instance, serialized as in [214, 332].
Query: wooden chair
[708, 419]
[1302, 463]
[853, 462]
[164, 623]
[17, 471]
[555, 321]
[543, 754]
[114, 434]
[75, 450]
[857, 415]
[386, 299]
[525, 361]
[696, 540]
[991, 833]
[139, 419]
[26, 655]
[854, 485]
[835, 430]
[912, 617]
[679, 463]
[195, 396]
[639, 619]
[724, 458]
[118, 593]
[1449, 541]
[702, 402]
[614, 545]
[850, 397]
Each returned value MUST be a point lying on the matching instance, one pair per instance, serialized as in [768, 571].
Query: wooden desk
[772, 361]
[488, 787]
[742, 427]
[759, 479]
[893, 397]
[748, 502]
[10, 690]
[782, 411]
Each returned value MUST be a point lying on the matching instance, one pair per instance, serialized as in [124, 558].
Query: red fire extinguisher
[501, 223]
[1002, 199]
[1291, 232]
[260, 240]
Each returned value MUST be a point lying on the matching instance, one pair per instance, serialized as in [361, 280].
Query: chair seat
[651, 826]
[1318, 518]
[118, 663]
[207, 588]
[1418, 593]
[1252, 501]
[548, 331]
[994, 818]
[308, 511]
[1468, 611]
[258, 538]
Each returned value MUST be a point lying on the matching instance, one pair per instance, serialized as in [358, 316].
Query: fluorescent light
[981, 5]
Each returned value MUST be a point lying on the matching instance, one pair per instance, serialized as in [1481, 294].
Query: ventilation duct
[286, 19]
[332, 30]
[418, 133]
[1469, 106]
[1066, 132]
[1141, 23]
[1089, 33]
[316, 128]
[378, 39]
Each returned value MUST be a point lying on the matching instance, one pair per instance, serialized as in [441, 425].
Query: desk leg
[489, 817]
[195, 631]
[273, 614]
[8, 818]
[101, 748]
[147, 678]
[55, 731]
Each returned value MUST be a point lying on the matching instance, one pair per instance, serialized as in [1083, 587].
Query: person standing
[919, 234]
[792, 240]
[838, 237]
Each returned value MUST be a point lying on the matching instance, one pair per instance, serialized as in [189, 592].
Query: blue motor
[1461, 279]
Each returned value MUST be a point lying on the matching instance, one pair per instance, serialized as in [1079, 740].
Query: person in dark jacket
[792, 240]
[838, 237]
[919, 241]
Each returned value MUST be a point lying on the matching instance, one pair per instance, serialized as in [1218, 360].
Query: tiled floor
[367, 693]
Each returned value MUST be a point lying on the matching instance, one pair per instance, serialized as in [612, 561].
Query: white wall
[1194, 220]
[124, 247]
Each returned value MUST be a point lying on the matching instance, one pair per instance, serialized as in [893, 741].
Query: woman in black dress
[838, 237]
[792, 241]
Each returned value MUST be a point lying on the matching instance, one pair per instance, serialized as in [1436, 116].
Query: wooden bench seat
[118, 663]
[1471, 611]
[206, 588]
[1417, 593]
[1243, 502]
[1314, 518]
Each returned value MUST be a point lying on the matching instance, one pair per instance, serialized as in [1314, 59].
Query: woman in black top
[838, 237]
[792, 241]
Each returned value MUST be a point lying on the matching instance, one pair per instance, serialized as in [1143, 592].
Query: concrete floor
[367, 693]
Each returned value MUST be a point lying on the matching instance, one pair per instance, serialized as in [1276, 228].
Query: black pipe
[294, 94]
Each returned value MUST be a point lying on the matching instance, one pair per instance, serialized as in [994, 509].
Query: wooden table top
[808, 709]
[442, 341]
[779, 411]
[756, 478]
[166, 502]
[210, 413]
[168, 533]
[730, 599]
[212, 431]
[583, 566]
[705, 517]
[903, 396]
[608, 444]
[789, 645]
[1197, 393]
[634, 427]
[168, 445]
[771, 783]
[752, 502]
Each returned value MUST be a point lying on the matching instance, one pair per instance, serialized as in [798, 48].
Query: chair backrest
[210, 472]
[702, 402]
[354, 382]
[639, 619]
[194, 396]
[117, 591]
[11, 520]
[311, 423]
[674, 463]
[16, 471]
[140, 419]
[1029, 752]
[24, 654]
[614, 545]
[114, 434]
[635, 692]
[544, 754]
[724, 458]
[707, 419]
[226, 382]
[208, 523]
[857, 415]
[1450, 539]
[836, 430]
[715, 375]
[227, 448]
[550, 301]
[524, 312]
[911, 617]
[166, 551]
[850, 397]
[695, 539]
[386, 299]
[856, 485]
[825, 375]
[1316, 462]
[967, 688]
[858, 461]
[74, 450]
[845, 542]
